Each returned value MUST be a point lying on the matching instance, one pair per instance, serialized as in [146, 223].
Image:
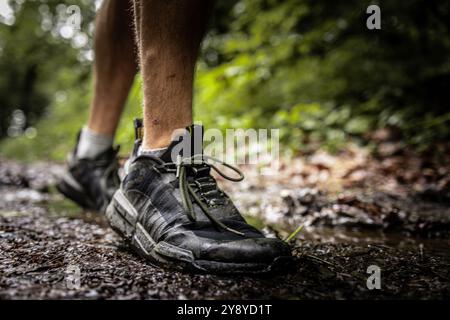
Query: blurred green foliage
[313, 69]
[39, 63]
[35, 58]
[310, 68]
[46, 75]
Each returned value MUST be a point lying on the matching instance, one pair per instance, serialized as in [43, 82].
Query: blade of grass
[294, 234]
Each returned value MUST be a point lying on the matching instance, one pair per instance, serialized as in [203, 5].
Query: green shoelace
[187, 191]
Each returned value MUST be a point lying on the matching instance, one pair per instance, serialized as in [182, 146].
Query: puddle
[439, 247]
[425, 246]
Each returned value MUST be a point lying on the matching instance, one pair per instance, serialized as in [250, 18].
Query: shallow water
[424, 246]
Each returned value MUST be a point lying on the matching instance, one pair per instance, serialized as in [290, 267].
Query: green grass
[294, 234]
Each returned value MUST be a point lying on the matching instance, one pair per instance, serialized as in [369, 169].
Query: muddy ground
[358, 210]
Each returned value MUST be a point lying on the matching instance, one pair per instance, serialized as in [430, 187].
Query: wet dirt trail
[45, 239]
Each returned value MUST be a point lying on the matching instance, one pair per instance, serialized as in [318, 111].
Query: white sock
[154, 152]
[141, 151]
[92, 144]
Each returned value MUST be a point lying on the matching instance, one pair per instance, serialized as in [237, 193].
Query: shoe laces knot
[201, 183]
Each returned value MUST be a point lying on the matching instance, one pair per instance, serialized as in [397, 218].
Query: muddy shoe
[174, 214]
[91, 183]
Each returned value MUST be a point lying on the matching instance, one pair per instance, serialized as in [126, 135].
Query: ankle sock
[154, 152]
[92, 144]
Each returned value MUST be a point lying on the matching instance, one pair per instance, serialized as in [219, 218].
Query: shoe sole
[123, 218]
[75, 192]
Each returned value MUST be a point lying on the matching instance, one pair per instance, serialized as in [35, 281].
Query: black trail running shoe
[175, 215]
[91, 183]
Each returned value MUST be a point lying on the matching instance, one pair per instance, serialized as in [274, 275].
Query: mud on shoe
[91, 183]
[173, 214]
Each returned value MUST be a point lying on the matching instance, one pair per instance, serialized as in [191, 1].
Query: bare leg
[115, 65]
[168, 33]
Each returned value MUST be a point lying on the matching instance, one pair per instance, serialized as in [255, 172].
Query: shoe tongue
[186, 144]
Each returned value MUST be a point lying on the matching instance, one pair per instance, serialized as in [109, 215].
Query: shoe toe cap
[255, 250]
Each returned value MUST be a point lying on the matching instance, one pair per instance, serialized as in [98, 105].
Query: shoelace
[187, 191]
